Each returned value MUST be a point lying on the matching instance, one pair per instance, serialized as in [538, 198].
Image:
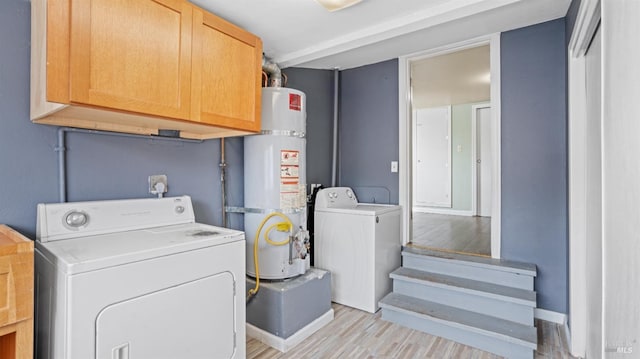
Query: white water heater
[275, 182]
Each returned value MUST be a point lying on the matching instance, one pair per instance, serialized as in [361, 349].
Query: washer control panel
[336, 197]
[75, 219]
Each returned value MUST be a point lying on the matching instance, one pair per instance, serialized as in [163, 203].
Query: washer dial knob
[349, 193]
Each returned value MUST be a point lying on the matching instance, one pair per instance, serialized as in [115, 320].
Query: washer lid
[84, 254]
[362, 209]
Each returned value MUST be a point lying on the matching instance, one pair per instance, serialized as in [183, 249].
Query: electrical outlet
[158, 184]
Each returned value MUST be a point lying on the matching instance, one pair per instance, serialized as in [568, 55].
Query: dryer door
[192, 320]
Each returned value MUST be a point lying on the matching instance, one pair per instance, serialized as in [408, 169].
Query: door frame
[585, 27]
[474, 156]
[404, 119]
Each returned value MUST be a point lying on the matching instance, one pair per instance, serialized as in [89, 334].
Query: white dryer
[359, 244]
[135, 279]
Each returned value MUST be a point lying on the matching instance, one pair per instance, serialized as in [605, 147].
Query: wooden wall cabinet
[16, 295]
[138, 66]
[226, 83]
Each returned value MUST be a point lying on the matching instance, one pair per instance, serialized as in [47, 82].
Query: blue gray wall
[318, 86]
[99, 167]
[534, 156]
[534, 148]
[368, 131]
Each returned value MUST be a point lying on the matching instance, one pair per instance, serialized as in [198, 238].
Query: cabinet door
[132, 55]
[227, 70]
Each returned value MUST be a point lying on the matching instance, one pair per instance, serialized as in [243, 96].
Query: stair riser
[476, 340]
[459, 269]
[499, 308]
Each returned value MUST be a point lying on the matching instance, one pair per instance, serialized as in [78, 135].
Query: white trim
[496, 137]
[557, 318]
[585, 27]
[284, 345]
[449, 211]
[567, 333]
[405, 189]
[404, 111]
[577, 204]
[550, 316]
[449, 154]
[448, 49]
[428, 17]
[474, 155]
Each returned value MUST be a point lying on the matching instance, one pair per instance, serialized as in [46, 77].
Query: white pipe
[334, 162]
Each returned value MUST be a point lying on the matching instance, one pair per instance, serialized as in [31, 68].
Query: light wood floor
[452, 233]
[357, 334]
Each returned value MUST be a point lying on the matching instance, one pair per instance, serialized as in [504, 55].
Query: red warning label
[295, 102]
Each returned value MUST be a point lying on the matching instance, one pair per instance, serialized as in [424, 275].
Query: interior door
[132, 55]
[432, 169]
[192, 320]
[484, 164]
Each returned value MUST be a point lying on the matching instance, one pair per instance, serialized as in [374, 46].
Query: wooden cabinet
[138, 66]
[227, 68]
[132, 55]
[16, 295]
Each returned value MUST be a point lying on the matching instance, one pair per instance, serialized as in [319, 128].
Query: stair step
[490, 270]
[485, 332]
[477, 261]
[507, 303]
[490, 290]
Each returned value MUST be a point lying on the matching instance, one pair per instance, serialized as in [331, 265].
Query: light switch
[459, 148]
[394, 166]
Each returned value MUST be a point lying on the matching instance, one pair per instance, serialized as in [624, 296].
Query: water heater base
[290, 310]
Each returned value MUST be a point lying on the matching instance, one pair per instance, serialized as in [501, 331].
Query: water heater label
[288, 171]
[289, 157]
[295, 102]
[289, 179]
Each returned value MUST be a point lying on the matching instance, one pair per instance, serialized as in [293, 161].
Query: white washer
[137, 279]
[359, 244]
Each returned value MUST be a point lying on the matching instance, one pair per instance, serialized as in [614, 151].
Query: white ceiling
[451, 79]
[302, 33]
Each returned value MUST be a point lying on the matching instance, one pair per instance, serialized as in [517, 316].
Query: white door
[483, 160]
[192, 320]
[432, 184]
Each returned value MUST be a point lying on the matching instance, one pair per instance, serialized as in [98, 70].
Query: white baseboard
[567, 333]
[555, 317]
[453, 212]
[550, 316]
[284, 345]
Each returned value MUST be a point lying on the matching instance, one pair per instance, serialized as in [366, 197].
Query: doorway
[465, 217]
